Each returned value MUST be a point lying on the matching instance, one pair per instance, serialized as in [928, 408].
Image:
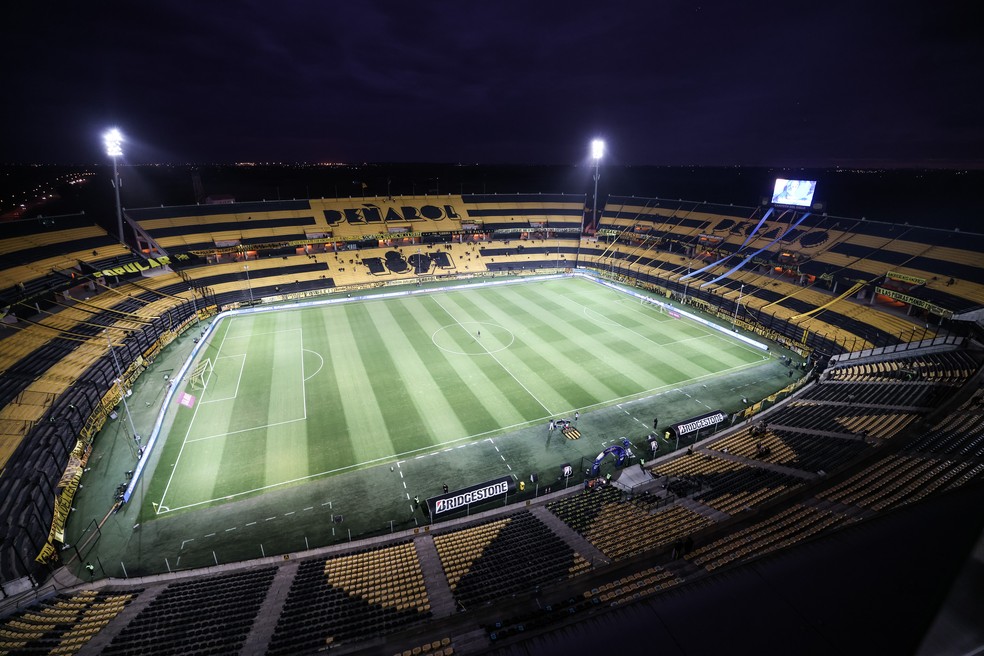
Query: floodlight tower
[114, 148]
[597, 150]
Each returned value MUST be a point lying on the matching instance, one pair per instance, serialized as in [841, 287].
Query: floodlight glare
[114, 143]
[597, 148]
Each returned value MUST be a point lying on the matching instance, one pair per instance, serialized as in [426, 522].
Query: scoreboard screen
[795, 193]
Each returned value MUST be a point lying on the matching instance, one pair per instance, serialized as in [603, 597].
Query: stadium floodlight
[597, 149]
[114, 148]
[248, 285]
[114, 143]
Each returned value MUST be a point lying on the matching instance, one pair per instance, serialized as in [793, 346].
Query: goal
[651, 303]
[201, 375]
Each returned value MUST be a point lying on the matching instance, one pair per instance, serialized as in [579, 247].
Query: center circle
[473, 338]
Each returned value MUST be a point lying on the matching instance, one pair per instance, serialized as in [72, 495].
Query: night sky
[667, 83]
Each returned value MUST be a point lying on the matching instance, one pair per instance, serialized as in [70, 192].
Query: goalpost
[201, 375]
[650, 303]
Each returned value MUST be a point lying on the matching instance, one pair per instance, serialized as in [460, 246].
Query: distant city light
[114, 143]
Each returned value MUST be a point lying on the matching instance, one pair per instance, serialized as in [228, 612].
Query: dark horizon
[868, 168]
[935, 198]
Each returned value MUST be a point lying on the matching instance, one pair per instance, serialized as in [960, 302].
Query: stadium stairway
[263, 628]
[712, 514]
[102, 639]
[575, 540]
[789, 471]
[441, 599]
[818, 432]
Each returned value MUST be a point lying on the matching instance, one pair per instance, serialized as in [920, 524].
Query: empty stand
[200, 616]
[62, 625]
[494, 560]
[349, 598]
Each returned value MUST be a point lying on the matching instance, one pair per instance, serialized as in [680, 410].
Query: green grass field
[301, 395]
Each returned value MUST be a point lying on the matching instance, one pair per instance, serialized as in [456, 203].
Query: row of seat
[62, 625]
[510, 556]
[218, 609]
[961, 434]
[623, 529]
[797, 523]
[789, 449]
[442, 647]
[637, 585]
[895, 394]
[349, 597]
[579, 511]
[950, 367]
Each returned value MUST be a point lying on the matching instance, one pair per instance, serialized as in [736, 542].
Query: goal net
[652, 304]
[201, 375]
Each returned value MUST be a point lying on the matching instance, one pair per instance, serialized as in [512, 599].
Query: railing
[943, 340]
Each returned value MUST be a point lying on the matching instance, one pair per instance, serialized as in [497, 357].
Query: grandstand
[887, 422]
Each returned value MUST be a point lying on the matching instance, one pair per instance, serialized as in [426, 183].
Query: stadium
[485, 423]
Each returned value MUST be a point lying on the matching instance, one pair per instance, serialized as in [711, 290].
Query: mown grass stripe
[475, 401]
[403, 426]
[366, 426]
[508, 388]
[643, 368]
[328, 438]
[409, 348]
[537, 368]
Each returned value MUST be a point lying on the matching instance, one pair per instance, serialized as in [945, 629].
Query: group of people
[599, 482]
[562, 424]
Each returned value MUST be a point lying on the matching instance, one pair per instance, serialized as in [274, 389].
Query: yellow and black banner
[69, 485]
[932, 308]
[904, 277]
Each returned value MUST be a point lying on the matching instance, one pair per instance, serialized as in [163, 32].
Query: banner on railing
[476, 494]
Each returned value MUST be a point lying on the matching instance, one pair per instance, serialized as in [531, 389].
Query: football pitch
[303, 394]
